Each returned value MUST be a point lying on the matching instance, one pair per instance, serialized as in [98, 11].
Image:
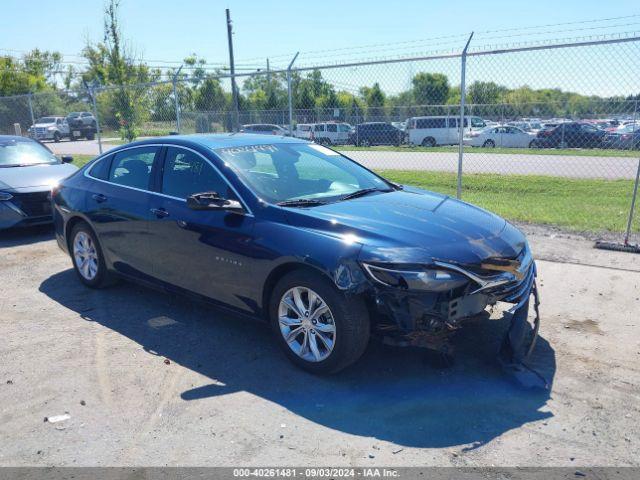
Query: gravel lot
[148, 379]
[522, 164]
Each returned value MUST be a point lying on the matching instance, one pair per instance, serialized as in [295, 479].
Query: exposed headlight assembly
[427, 279]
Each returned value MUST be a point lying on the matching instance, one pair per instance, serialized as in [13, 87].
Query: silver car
[28, 171]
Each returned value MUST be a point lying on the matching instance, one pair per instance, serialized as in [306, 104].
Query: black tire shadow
[14, 237]
[391, 394]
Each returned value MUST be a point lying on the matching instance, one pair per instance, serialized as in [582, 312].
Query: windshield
[46, 120]
[288, 171]
[23, 153]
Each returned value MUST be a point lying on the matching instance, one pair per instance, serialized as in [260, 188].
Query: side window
[100, 169]
[86, 114]
[332, 127]
[318, 128]
[132, 168]
[186, 173]
[343, 128]
[453, 122]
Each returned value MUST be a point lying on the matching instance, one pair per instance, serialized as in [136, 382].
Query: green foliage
[430, 88]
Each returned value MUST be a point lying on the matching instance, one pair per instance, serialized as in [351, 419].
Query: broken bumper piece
[427, 319]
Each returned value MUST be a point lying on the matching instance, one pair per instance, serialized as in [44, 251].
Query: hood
[40, 125]
[16, 178]
[415, 226]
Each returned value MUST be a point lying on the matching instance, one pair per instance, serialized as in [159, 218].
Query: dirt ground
[150, 380]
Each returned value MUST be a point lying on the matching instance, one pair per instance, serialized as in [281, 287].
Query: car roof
[219, 140]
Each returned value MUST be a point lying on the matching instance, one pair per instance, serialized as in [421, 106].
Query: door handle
[160, 212]
[98, 197]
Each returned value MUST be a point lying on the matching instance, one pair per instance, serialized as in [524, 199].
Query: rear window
[100, 169]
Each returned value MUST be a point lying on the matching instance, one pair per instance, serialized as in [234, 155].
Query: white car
[502, 136]
[331, 133]
[264, 129]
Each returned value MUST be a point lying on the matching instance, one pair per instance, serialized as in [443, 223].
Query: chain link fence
[545, 134]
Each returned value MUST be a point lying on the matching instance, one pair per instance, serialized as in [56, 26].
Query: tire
[347, 315]
[429, 142]
[533, 144]
[489, 144]
[56, 137]
[90, 136]
[82, 233]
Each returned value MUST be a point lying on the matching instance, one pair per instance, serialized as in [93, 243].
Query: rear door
[118, 207]
[203, 251]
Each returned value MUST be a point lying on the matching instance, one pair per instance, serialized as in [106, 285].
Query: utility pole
[268, 75]
[234, 88]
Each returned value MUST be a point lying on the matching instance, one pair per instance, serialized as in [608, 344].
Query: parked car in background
[49, 128]
[28, 170]
[569, 135]
[300, 236]
[82, 124]
[377, 133]
[331, 133]
[439, 130]
[502, 136]
[303, 130]
[529, 127]
[400, 125]
[626, 137]
[264, 129]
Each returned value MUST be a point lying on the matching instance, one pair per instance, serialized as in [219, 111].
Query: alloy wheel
[85, 255]
[307, 324]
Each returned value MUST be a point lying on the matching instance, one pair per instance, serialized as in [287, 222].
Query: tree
[110, 64]
[430, 88]
[485, 92]
[373, 97]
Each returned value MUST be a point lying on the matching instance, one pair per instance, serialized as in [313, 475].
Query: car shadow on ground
[14, 237]
[391, 394]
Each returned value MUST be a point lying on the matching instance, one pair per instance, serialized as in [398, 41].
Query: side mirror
[66, 159]
[213, 201]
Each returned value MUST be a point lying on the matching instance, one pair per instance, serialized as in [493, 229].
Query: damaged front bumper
[411, 317]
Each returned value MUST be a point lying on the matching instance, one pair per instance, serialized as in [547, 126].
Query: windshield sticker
[325, 150]
[248, 148]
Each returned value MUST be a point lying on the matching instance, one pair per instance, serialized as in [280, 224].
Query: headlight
[427, 279]
[51, 128]
[4, 196]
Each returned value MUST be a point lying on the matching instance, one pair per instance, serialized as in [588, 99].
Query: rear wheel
[90, 135]
[87, 257]
[429, 142]
[489, 144]
[319, 328]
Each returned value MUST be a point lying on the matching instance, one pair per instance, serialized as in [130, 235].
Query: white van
[303, 130]
[331, 133]
[442, 130]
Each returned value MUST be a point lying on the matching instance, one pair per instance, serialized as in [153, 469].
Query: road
[503, 164]
[151, 379]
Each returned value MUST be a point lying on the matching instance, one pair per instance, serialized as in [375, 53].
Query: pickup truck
[49, 128]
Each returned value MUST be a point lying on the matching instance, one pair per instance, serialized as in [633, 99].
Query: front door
[203, 251]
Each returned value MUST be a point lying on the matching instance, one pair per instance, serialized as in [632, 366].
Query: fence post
[33, 118]
[463, 88]
[92, 94]
[175, 98]
[635, 186]
[290, 94]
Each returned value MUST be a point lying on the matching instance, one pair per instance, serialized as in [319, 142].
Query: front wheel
[56, 137]
[319, 328]
[87, 257]
[489, 144]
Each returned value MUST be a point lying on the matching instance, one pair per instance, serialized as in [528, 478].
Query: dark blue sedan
[299, 235]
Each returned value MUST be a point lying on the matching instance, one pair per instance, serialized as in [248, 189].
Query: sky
[331, 31]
